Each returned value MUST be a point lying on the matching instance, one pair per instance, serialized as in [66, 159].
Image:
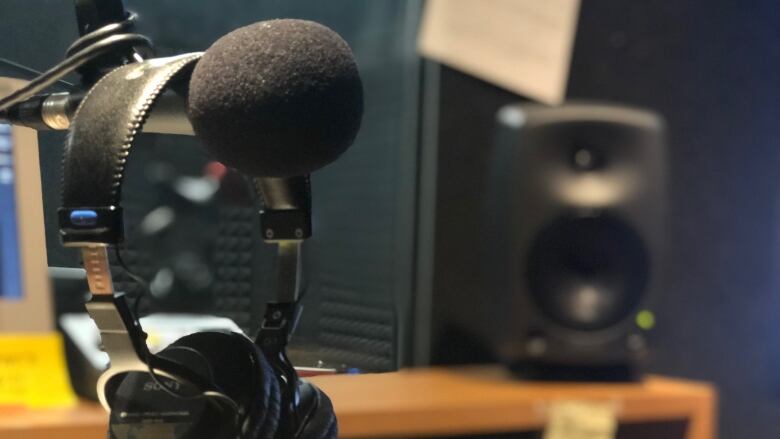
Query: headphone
[208, 384]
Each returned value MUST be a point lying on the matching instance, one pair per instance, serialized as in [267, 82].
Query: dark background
[710, 67]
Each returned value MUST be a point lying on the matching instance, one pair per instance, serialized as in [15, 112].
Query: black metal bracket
[285, 224]
[278, 324]
[286, 212]
[91, 225]
[121, 335]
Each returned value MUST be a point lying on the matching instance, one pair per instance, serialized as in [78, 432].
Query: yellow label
[581, 420]
[33, 372]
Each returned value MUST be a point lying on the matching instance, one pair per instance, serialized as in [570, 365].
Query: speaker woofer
[587, 273]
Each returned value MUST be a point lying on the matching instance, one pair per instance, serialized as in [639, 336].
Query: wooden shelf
[434, 402]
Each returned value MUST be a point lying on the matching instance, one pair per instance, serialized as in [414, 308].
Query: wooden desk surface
[86, 421]
[427, 402]
[415, 403]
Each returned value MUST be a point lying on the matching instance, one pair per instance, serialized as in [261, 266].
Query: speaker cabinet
[574, 214]
[571, 236]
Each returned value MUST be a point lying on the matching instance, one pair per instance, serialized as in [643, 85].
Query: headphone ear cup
[320, 418]
[240, 370]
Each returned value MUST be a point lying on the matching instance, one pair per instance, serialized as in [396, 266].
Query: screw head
[635, 342]
[298, 233]
[536, 346]
[269, 233]
[584, 159]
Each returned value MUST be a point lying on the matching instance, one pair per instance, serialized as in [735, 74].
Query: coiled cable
[83, 50]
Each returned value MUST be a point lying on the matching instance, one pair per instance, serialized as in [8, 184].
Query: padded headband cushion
[106, 123]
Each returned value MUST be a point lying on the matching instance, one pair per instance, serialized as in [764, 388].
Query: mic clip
[286, 212]
[278, 225]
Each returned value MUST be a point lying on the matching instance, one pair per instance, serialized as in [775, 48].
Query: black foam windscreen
[277, 98]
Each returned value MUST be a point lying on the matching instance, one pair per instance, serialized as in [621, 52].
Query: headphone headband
[96, 151]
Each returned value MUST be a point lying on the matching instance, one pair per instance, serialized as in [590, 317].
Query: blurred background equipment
[568, 244]
[25, 299]
[572, 239]
[33, 372]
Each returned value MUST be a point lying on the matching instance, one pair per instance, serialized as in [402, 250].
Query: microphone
[277, 98]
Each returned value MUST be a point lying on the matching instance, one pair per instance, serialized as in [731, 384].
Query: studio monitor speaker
[573, 230]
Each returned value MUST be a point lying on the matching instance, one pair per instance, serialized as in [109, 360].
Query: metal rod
[98, 270]
[289, 273]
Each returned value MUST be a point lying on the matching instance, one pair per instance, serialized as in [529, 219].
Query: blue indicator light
[83, 217]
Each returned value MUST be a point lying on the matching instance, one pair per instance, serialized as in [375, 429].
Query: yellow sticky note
[33, 372]
[581, 420]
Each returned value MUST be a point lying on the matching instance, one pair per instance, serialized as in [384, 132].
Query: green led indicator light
[645, 320]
